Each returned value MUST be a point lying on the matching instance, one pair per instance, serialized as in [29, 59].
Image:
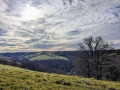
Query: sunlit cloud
[31, 25]
[30, 13]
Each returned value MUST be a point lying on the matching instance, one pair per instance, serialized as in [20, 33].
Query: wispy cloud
[58, 24]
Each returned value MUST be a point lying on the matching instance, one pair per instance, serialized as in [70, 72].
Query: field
[44, 56]
[14, 78]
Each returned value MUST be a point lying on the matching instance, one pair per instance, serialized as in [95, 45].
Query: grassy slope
[12, 78]
[47, 56]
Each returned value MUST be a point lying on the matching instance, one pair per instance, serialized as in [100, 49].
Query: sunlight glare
[30, 13]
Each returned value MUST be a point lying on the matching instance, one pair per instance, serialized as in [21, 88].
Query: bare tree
[94, 57]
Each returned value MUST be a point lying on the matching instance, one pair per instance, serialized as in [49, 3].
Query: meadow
[14, 78]
[43, 56]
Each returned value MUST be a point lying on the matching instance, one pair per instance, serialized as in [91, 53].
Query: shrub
[63, 82]
[59, 81]
[67, 83]
[111, 88]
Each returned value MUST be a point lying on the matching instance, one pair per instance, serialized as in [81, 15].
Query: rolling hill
[57, 62]
[45, 56]
[37, 56]
[14, 78]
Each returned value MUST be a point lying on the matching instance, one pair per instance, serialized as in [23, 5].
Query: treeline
[50, 66]
[9, 62]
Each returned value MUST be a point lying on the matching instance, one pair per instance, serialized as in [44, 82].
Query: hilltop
[37, 56]
[18, 78]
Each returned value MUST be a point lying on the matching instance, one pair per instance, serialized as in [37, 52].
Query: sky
[56, 25]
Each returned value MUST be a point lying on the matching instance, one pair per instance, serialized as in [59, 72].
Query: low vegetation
[44, 56]
[32, 56]
[14, 78]
[48, 57]
[50, 66]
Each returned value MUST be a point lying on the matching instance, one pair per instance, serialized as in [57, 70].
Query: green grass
[13, 78]
[46, 56]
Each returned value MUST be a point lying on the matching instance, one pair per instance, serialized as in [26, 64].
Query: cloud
[59, 25]
[2, 32]
[74, 32]
[3, 44]
[42, 46]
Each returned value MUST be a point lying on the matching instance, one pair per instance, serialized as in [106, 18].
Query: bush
[63, 82]
[67, 83]
[58, 82]
[111, 88]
